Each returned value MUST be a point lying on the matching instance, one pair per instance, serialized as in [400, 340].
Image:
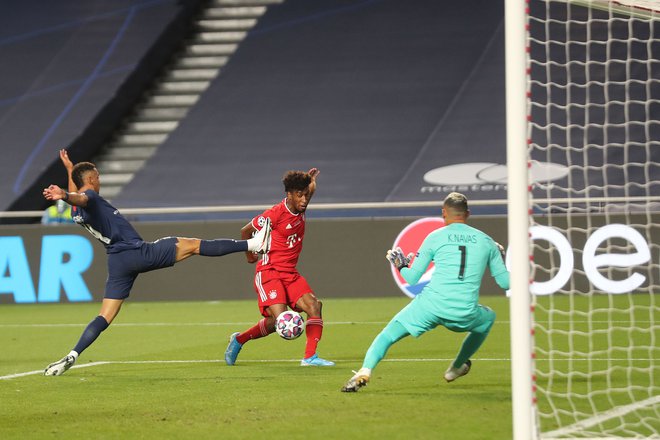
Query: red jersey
[288, 230]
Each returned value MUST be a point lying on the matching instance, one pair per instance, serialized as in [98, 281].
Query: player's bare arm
[64, 157]
[54, 193]
[246, 232]
[313, 173]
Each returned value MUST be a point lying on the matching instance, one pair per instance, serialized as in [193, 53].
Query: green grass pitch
[158, 372]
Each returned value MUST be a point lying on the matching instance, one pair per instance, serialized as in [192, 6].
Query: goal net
[593, 151]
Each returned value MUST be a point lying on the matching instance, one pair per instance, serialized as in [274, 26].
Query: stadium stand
[393, 101]
[375, 93]
[215, 33]
[70, 72]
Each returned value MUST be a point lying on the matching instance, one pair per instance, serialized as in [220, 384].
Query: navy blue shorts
[125, 266]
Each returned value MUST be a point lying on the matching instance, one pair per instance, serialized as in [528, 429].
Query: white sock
[364, 372]
[253, 244]
[74, 354]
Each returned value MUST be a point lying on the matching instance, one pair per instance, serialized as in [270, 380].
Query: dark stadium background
[374, 93]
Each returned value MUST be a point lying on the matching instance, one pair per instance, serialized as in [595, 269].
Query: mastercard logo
[409, 240]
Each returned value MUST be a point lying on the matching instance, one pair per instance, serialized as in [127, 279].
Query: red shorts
[274, 287]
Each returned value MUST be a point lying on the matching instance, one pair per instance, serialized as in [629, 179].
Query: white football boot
[58, 368]
[360, 379]
[454, 373]
[261, 239]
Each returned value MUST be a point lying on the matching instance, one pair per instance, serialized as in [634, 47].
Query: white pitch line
[603, 417]
[262, 361]
[32, 373]
[216, 361]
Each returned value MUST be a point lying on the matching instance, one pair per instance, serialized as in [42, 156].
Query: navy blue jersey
[104, 222]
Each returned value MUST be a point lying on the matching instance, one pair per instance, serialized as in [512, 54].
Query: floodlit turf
[165, 377]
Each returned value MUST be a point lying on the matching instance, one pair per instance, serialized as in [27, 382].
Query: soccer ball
[289, 324]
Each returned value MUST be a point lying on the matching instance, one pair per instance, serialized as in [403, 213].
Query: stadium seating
[373, 93]
[62, 65]
[393, 101]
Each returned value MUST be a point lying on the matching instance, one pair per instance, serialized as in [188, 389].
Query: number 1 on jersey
[461, 270]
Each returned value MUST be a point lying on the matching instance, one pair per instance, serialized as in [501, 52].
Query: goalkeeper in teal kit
[461, 254]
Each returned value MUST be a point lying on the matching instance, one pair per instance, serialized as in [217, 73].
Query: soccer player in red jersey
[277, 281]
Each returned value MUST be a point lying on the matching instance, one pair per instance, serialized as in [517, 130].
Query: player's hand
[313, 173]
[53, 192]
[64, 157]
[251, 257]
[397, 258]
[502, 250]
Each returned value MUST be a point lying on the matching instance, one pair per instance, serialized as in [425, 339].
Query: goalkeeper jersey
[461, 254]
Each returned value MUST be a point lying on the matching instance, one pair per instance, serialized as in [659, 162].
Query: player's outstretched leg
[88, 336]
[453, 373]
[236, 341]
[360, 379]
[234, 347]
[58, 368]
[393, 332]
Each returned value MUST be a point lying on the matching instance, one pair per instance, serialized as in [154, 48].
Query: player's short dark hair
[79, 171]
[456, 201]
[296, 181]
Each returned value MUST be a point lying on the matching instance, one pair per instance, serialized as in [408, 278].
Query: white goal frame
[518, 216]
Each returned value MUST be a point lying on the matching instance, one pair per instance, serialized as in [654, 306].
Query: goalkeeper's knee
[394, 331]
[487, 318]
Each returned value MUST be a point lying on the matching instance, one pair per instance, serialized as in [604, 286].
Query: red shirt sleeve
[272, 214]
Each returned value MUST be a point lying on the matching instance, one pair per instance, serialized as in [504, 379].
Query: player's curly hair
[296, 181]
[79, 171]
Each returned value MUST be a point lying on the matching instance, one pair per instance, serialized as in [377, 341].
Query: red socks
[256, 332]
[314, 329]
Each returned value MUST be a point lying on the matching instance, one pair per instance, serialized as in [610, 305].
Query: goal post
[583, 158]
[518, 217]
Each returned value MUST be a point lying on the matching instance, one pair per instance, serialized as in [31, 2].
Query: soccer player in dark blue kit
[128, 254]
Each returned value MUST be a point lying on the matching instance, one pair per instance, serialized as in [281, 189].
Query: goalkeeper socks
[477, 336]
[222, 246]
[90, 334]
[469, 347]
[258, 331]
[314, 329]
[393, 332]
[377, 351]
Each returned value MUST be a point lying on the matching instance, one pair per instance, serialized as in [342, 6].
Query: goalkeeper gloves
[398, 260]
